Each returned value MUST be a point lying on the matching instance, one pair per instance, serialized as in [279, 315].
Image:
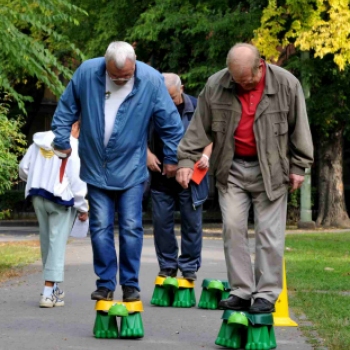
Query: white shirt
[113, 100]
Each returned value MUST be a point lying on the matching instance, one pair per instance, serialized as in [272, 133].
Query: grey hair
[119, 52]
[172, 79]
[233, 57]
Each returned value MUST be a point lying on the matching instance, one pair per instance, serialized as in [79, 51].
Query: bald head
[243, 55]
[173, 84]
[244, 63]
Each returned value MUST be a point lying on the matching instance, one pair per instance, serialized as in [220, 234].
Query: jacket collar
[271, 84]
[101, 71]
[188, 107]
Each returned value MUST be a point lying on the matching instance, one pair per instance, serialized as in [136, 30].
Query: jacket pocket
[218, 126]
[280, 128]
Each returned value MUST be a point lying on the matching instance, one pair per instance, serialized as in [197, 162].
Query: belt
[247, 158]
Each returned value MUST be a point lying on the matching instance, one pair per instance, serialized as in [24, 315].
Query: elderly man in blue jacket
[116, 96]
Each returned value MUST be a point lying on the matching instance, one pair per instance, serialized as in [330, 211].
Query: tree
[32, 48]
[107, 22]
[192, 37]
[12, 144]
[31, 44]
[322, 28]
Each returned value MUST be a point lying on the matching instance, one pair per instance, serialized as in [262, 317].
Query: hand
[183, 176]
[83, 216]
[295, 181]
[203, 162]
[62, 154]
[153, 162]
[169, 170]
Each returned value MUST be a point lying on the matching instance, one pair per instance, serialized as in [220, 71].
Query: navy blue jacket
[159, 182]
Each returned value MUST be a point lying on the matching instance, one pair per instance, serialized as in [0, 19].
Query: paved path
[23, 325]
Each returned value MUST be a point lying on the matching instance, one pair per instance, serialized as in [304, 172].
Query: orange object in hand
[198, 174]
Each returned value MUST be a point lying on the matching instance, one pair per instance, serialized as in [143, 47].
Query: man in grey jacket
[255, 115]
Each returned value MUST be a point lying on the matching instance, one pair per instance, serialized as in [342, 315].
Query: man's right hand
[153, 162]
[62, 154]
[183, 176]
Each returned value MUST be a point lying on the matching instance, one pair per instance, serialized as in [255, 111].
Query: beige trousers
[246, 188]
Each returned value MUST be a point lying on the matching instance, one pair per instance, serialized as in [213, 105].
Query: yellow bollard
[281, 315]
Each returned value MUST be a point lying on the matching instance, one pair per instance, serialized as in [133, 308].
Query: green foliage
[191, 37]
[319, 25]
[329, 104]
[107, 22]
[188, 37]
[31, 41]
[11, 146]
[322, 28]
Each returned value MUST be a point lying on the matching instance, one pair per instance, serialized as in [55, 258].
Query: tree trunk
[331, 202]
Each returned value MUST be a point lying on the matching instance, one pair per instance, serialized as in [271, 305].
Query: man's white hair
[119, 52]
[172, 79]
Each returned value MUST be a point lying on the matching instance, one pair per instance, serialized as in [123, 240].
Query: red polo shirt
[244, 136]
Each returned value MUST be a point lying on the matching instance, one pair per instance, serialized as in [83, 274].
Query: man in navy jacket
[116, 96]
[167, 192]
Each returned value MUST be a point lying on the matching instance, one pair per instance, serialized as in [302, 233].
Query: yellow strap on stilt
[281, 316]
[131, 306]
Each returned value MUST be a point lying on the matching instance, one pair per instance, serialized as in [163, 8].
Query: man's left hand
[295, 181]
[169, 170]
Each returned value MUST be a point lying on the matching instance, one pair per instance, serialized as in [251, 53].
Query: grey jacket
[281, 129]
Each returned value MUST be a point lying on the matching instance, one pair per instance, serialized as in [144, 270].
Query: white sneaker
[50, 301]
[58, 293]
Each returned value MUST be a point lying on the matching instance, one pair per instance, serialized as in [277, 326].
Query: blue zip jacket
[122, 164]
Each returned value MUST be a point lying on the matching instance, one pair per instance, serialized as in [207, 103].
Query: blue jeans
[103, 204]
[167, 250]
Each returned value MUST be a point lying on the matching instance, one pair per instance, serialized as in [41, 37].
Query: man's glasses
[121, 80]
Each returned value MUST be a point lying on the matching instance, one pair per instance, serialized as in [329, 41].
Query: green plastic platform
[176, 292]
[212, 292]
[241, 330]
[106, 325]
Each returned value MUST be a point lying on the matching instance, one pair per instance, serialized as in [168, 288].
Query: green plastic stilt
[258, 338]
[132, 326]
[248, 331]
[208, 299]
[231, 335]
[184, 297]
[161, 296]
[212, 292]
[105, 326]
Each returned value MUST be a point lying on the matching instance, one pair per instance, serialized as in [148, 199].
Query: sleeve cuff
[186, 163]
[294, 169]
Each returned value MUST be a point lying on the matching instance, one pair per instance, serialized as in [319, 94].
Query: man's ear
[182, 88]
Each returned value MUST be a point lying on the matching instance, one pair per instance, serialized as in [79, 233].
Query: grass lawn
[318, 281]
[15, 255]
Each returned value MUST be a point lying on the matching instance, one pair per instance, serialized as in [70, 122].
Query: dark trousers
[166, 246]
